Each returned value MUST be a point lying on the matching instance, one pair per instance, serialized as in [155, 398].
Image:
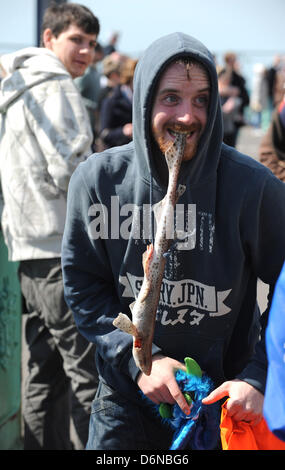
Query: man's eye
[77, 40]
[170, 99]
[202, 100]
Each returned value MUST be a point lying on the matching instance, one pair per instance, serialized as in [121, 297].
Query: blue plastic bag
[274, 401]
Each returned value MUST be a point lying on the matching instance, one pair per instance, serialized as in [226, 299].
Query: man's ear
[47, 38]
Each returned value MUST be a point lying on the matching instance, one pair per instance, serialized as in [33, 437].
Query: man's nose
[86, 49]
[186, 113]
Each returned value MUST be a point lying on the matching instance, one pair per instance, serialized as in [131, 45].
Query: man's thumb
[216, 395]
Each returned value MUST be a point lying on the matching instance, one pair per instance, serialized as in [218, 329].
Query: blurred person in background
[230, 102]
[259, 94]
[116, 110]
[110, 78]
[236, 80]
[271, 77]
[279, 81]
[89, 86]
[272, 146]
[112, 44]
[45, 134]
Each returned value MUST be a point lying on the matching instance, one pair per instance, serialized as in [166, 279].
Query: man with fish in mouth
[168, 289]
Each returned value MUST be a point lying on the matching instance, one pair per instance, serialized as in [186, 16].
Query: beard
[163, 139]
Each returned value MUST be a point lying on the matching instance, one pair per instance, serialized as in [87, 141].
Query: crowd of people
[84, 131]
[108, 96]
[243, 103]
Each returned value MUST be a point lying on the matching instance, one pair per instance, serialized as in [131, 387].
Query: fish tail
[123, 322]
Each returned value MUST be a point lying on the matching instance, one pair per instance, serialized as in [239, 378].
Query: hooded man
[45, 134]
[232, 213]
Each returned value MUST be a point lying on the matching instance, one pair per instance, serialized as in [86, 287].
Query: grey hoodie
[44, 134]
[234, 215]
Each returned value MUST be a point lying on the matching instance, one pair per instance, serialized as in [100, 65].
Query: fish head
[175, 151]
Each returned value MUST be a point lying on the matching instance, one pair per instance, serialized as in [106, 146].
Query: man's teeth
[187, 133]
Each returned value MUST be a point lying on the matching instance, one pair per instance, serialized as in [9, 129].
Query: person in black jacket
[237, 82]
[233, 218]
[272, 145]
[116, 110]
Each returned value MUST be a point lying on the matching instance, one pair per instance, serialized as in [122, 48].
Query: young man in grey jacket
[45, 134]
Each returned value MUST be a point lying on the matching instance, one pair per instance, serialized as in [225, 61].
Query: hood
[26, 68]
[147, 73]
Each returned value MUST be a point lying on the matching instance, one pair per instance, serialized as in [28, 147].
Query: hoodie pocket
[44, 184]
[34, 207]
[206, 350]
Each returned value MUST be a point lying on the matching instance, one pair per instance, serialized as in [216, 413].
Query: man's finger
[216, 395]
[179, 397]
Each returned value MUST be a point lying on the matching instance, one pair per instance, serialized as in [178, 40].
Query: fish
[144, 308]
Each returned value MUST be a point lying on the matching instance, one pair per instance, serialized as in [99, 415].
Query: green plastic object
[10, 352]
[165, 410]
[192, 368]
[188, 398]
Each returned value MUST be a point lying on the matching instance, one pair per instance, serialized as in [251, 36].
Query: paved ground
[248, 143]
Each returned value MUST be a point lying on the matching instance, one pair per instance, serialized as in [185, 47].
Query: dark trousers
[61, 377]
[118, 424]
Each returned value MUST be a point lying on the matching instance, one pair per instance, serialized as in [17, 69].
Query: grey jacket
[44, 134]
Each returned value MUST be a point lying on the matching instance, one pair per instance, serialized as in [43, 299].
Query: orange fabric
[239, 435]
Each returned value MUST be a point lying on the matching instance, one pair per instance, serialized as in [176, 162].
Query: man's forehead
[74, 28]
[190, 66]
[184, 69]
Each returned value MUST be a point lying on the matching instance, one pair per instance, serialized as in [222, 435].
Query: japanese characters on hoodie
[233, 215]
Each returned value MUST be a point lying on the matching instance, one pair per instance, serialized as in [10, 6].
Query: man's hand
[161, 386]
[128, 129]
[245, 402]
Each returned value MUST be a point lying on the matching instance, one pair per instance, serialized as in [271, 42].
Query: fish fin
[146, 258]
[123, 322]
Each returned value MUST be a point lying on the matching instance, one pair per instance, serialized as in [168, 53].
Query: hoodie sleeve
[89, 282]
[266, 249]
[59, 120]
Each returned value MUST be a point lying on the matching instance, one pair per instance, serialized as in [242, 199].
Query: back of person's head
[58, 18]
[127, 70]
[230, 58]
[112, 63]
[98, 48]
